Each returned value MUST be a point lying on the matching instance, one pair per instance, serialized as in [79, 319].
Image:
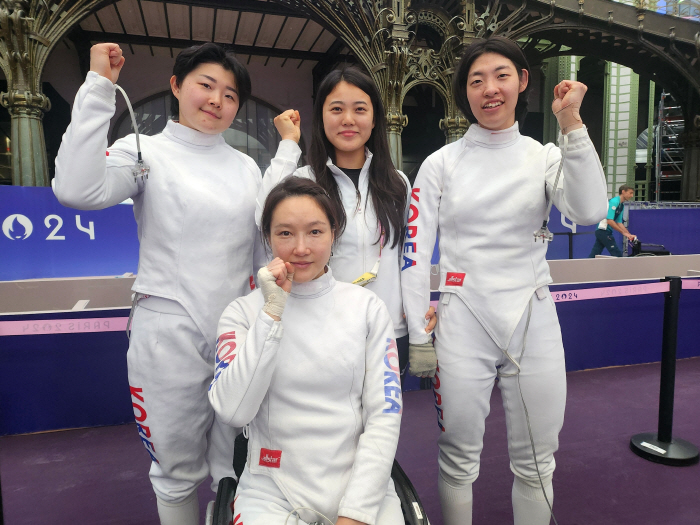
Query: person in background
[604, 234]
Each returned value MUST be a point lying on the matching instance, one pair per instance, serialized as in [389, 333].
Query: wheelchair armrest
[223, 506]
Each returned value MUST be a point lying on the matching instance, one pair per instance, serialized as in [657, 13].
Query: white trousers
[468, 360]
[170, 368]
[260, 502]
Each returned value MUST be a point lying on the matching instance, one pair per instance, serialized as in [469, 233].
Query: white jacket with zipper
[357, 250]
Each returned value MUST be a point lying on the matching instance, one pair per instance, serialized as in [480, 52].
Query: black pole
[668, 359]
[571, 244]
[2, 519]
[662, 447]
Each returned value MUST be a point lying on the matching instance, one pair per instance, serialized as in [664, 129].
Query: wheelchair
[221, 512]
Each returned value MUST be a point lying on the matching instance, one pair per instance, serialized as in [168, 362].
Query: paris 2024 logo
[17, 227]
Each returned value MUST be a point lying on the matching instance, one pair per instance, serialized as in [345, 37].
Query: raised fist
[106, 60]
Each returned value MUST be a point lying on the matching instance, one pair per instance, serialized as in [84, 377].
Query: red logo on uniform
[270, 458]
[454, 279]
[251, 282]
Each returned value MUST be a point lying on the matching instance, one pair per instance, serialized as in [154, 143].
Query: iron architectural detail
[383, 37]
[659, 47]
[28, 32]
[666, 49]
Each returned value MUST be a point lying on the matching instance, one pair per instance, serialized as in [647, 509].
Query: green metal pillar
[29, 29]
[395, 124]
[642, 189]
[454, 128]
[29, 162]
[555, 70]
[620, 125]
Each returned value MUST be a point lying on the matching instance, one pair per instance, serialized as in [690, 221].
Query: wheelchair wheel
[223, 506]
[412, 508]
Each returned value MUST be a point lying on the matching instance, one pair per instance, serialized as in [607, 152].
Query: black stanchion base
[678, 453]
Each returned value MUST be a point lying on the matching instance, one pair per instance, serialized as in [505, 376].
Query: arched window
[252, 132]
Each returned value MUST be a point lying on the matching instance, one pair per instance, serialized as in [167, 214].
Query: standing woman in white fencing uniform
[488, 194]
[197, 234]
[349, 157]
[310, 364]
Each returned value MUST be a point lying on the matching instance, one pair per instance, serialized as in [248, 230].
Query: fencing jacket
[321, 392]
[487, 195]
[357, 249]
[195, 212]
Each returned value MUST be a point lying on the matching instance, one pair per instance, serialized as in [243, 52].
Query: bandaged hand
[422, 360]
[275, 282]
[568, 96]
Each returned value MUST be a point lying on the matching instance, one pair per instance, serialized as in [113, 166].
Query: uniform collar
[365, 167]
[492, 139]
[189, 136]
[315, 288]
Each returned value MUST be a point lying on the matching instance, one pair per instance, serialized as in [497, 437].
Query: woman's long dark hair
[386, 187]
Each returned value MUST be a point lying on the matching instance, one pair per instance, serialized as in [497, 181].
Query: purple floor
[99, 475]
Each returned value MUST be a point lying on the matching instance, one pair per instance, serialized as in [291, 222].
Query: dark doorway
[423, 135]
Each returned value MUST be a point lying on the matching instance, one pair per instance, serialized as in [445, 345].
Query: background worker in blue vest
[604, 234]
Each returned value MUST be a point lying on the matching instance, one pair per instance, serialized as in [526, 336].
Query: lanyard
[371, 276]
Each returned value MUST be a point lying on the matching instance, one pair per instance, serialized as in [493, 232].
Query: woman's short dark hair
[501, 46]
[386, 187]
[301, 187]
[189, 59]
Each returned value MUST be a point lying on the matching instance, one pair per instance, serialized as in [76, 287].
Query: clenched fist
[275, 282]
[106, 60]
[288, 124]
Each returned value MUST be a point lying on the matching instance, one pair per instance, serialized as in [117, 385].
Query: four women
[309, 362]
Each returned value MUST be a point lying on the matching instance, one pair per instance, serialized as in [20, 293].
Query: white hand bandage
[422, 359]
[275, 297]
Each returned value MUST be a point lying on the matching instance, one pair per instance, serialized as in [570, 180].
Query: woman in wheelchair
[310, 366]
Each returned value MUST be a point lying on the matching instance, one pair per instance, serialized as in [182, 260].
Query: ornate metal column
[28, 31]
[24, 99]
[395, 124]
[454, 128]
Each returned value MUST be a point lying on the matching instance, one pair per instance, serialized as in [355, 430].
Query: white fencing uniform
[199, 247]
[357, 249]
[486, 193]
[321, 393]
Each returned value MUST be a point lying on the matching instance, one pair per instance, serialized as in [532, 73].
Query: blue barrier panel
[678, 229]
[43, 239]
[69, 380]
[620, 331]
[582, 237]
